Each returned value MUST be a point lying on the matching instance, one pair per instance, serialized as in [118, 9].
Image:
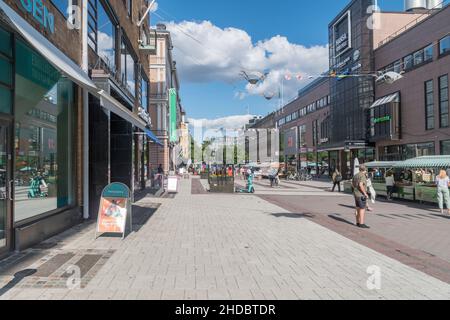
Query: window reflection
[127, 68]
[43, 136]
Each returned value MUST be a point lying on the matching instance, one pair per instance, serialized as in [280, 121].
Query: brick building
[73, 111]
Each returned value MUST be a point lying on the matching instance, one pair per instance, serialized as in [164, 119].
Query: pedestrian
[160, 169]
[390, 185]
[443, 194]
[359, 186]
[337, 179]
[371, 191]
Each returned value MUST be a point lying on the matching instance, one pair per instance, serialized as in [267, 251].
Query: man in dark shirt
[359, 184]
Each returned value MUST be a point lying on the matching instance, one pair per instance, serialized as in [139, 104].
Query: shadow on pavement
[19, 276]
[293, 215]
[341, 220]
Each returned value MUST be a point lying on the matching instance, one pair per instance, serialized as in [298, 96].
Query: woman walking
[443, 194]
[337, 179]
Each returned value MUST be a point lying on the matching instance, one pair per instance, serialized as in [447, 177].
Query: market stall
[424, 171]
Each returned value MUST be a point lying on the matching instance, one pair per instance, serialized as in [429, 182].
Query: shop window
[5, 100]
[429, 105]
[5, 71]
[5, 43]
[444, 45]
[44, 115]
[443, 101]
[302, 135]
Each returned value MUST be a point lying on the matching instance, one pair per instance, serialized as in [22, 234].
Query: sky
[215, 40]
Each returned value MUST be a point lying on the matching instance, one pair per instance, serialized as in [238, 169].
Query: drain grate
[56, 262]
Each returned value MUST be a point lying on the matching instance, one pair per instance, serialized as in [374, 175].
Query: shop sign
[40, 13]
[115, 208]
[382, 119]
[342, 64]
[173, 114]
[342, 34]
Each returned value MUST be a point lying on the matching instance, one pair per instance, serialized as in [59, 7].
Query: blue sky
[212, 95]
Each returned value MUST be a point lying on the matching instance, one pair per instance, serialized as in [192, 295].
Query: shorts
[360, 203]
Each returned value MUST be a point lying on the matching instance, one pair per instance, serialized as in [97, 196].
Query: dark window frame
[443, 100]
[429, 115]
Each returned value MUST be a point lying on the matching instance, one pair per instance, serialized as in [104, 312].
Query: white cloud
[207, 53]
[154, 7]
[227, 123]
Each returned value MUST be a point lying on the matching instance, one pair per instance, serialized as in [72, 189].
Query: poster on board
[115, 209]
[112, 216]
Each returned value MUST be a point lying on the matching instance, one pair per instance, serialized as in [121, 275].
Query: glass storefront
[405, 152]
[44, 131]
[445, 148]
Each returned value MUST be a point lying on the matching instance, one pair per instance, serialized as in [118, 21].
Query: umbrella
[26, 169]
[356, 167]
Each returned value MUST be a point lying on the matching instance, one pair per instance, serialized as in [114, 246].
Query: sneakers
[363, 226]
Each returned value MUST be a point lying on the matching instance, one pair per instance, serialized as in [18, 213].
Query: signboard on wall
[342, 34]
[173, 114]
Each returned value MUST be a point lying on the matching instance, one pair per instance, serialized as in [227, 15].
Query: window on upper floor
[144, 93]
[429, 105]
[444, 45]
[443, 102]
[129, 4]
[102, 33]
[408, 62]
[418, 57]
[428, 53]
[127, 64]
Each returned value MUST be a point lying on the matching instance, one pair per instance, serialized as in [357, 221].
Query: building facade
[304, 125]
[164, 87]
[73, 112]
[410, 117]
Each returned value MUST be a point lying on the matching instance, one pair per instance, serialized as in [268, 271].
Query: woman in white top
[443, 194]
[390, 184]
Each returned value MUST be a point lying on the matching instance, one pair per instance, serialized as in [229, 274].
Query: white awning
[54, 56]
[108, 102]
[387, 99]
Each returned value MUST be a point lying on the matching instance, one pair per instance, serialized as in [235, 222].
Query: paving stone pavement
[234, 247]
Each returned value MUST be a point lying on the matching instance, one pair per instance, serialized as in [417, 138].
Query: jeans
[443, 195]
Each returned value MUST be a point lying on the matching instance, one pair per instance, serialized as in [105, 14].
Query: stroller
[38, 188]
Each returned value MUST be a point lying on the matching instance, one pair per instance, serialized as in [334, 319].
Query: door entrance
[6, 185]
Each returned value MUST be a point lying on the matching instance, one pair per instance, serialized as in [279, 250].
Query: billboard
[291, 142]
[342, 35]
[173, 115]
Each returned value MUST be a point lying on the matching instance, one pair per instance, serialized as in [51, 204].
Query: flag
[299, 77]
[288, 77]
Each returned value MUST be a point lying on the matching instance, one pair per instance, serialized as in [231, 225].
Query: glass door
[6, 185]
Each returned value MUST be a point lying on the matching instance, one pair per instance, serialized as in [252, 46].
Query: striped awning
[439, 162]
[385, 100]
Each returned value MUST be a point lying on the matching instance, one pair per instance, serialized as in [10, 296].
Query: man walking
[359, 185]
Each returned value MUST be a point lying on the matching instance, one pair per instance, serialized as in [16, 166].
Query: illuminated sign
[342, 34]
[40, 13]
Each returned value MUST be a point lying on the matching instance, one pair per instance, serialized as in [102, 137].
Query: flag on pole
[299, 77]
[288, 77]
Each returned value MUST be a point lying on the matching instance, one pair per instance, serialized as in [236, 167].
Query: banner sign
[291, 142]
[173, 114]
[342, 35]
[115, 208]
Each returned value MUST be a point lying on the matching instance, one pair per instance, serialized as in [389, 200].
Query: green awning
[439, 162]
[380, 164]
